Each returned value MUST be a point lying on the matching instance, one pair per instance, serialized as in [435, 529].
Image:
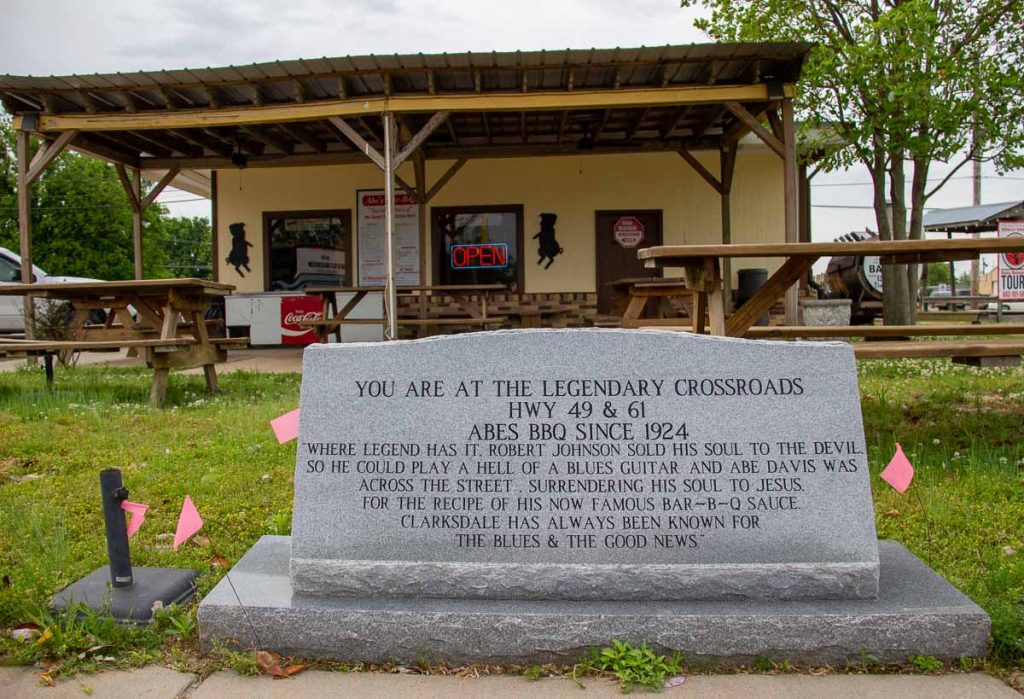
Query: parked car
[11, 319]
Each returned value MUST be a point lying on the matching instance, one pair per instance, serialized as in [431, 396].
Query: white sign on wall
[1011, 264]
[370, 229]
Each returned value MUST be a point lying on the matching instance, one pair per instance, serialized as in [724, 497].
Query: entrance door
[619, 235]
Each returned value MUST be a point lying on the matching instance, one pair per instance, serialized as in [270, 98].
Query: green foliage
[634, 666]
[188, 247]
[926, 663]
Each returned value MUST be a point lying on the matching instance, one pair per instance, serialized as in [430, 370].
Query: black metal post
[114, 493]
[48, 368]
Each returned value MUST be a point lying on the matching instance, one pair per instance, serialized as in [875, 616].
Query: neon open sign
[479, 256]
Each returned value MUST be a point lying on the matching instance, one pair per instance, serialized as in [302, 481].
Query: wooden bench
[883, 331]
[47, 348]
[983, 353]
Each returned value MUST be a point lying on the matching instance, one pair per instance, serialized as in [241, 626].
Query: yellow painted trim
[468, 102]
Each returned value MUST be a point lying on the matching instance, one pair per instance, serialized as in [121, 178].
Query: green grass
[962, 428]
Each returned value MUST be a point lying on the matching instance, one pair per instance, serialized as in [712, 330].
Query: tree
[81, 219]
[187, 247]
[901, 84]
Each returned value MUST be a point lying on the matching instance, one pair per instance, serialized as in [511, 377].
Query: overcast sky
[44, 37]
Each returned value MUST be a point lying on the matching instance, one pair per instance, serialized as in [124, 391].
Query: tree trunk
[918, 186]
[900, 310]
[894, 282]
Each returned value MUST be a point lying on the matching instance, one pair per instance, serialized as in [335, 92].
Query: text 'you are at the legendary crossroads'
[576, 464]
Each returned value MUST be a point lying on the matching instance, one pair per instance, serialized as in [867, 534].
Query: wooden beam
[136, 185]
[204, 139]
[306, 136]
[790, 193]
[160, 186]
[264, 133]
[357, 140]
[462, 102]
[673, 121]
[751, 122]
[443, 179]
[422, 135]
[25, 226]
[765, 297]
[46, 153]
[126, 184]
[701, 170]
[532, 150]
[727, 166]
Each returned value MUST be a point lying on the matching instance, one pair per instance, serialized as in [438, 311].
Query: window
[307, 248]
[478, 245]
[9, 271]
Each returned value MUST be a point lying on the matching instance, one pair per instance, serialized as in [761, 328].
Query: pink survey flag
[136, 515]
[189, 522]
[286, 427]
[899, 472]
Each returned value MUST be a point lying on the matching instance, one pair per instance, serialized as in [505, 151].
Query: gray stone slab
[916, 612]
[151, 682]
[689, 468]
[228, 685]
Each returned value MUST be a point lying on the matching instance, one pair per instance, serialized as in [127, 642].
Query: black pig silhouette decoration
[547, 245]
[239, 255]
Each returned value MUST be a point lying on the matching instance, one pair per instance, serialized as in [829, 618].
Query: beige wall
[573, 187]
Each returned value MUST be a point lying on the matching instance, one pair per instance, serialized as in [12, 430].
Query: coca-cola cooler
[272, 318]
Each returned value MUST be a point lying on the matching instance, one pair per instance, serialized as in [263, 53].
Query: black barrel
[749, 281]
[114, 494]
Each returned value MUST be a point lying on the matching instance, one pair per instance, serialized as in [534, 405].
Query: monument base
[917, 612]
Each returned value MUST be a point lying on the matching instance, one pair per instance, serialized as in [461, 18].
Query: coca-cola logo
[296, 317]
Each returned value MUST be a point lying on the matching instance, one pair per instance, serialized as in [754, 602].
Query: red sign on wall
[628, 231]
[479, 256]
[295, 310]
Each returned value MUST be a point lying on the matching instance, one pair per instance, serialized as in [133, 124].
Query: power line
[930, 179]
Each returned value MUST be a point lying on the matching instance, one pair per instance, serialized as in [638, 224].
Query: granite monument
[567, 487]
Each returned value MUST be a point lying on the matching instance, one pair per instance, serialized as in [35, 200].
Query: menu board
[370, 229]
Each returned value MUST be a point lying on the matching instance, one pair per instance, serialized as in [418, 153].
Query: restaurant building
[541, 171]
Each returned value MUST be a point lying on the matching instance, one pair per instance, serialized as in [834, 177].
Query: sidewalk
[162, 683]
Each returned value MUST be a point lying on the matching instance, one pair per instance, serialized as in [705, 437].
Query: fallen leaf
[45, 677]
[45, 636]
[270, 663]
[891, 513]
[219, 561]
[29, 625]
[201, 541]
[293, 670]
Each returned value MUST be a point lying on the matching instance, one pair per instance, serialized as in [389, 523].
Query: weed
[534, 673]
[926, 663]
[634, 666]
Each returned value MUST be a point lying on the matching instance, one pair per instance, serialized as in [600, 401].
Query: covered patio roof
[499, 104]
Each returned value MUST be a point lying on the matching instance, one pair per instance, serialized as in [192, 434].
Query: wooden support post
[727, 156]
[715, 295]
[390, 293]
[790, 192]
[25, 227]
[136, 185]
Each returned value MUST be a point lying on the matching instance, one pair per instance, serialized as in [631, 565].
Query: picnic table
[701, 265]
[634, 293]
[474, 312]
[169, 329]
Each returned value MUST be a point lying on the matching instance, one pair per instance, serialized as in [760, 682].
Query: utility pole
[975, 271]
